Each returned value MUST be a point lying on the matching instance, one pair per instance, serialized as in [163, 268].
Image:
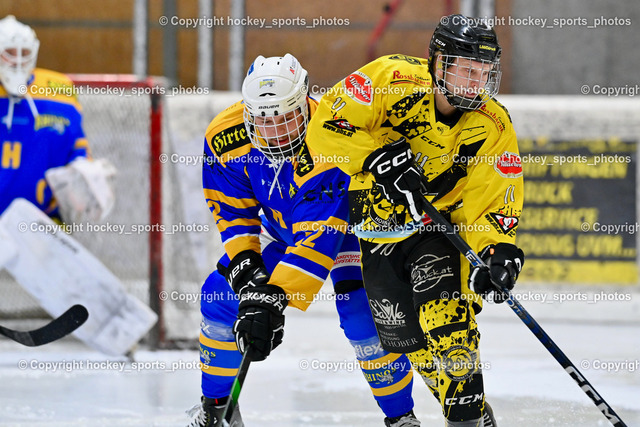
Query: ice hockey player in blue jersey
[256, 159]
[40, 129]
[45, 166]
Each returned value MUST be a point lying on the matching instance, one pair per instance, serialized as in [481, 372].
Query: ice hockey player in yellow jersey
[411, 128]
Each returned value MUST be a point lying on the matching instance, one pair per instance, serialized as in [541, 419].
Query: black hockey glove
[505, 262]
[400, 179]
[246, 269]
[260, 322]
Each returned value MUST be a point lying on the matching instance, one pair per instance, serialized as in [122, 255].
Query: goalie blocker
[83, 189]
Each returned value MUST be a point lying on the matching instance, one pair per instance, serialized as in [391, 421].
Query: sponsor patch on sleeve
[358, 87]
[340, 126]
[229, 139]
[509, 165]
[503, 223]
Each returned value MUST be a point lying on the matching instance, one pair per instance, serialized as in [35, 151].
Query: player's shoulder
[52, 76]
[398, 68]
[49, 85]
[313, 104]
[401, 60]
[395, 75]
[226, 134]
[496, 114]
[312, 166]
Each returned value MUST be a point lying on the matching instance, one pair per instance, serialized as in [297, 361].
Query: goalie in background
[44, 155]
[281, 258]
[46, 169]
[430, 128]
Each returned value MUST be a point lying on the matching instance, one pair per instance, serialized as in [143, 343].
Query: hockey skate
[488, 418]
[209, 414]
[406, 420]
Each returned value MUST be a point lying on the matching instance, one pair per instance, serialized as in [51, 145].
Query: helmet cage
[457, 40]
[278, 137]
[467, 82]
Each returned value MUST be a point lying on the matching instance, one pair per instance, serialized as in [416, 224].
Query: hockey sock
[422, 361]
[220, 360]
[391, 381]
[389, 375]
[453, 337]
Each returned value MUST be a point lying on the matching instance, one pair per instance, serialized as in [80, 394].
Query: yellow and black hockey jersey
[473, 165]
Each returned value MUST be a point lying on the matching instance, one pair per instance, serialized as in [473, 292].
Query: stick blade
[58, 328]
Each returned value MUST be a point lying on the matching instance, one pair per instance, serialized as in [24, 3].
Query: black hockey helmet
[458, 36]
[462, 36]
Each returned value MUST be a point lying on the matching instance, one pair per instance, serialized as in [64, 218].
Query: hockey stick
[59, 327]
[236, 388]
[528, 320]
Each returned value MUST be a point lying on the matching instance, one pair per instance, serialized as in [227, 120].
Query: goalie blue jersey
[33, 140]
[304, 202]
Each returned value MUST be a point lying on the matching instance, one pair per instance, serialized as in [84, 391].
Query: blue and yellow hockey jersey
[32, 142]
[304, 202]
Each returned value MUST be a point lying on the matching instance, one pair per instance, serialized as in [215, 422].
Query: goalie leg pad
[389, 374]
[8, 250]
[219, 355]
[59, 272]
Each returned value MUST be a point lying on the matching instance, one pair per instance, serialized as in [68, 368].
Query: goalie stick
[526, 318]
[59, 327]
[236, 388]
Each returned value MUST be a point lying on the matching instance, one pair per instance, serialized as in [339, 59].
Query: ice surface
[524, 384]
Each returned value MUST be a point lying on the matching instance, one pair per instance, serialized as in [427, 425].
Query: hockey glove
[260, 322]
[399, 178]
[246, 269]
[505, 262]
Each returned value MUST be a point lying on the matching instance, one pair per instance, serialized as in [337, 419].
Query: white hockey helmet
[18, 54]
[275, 105]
